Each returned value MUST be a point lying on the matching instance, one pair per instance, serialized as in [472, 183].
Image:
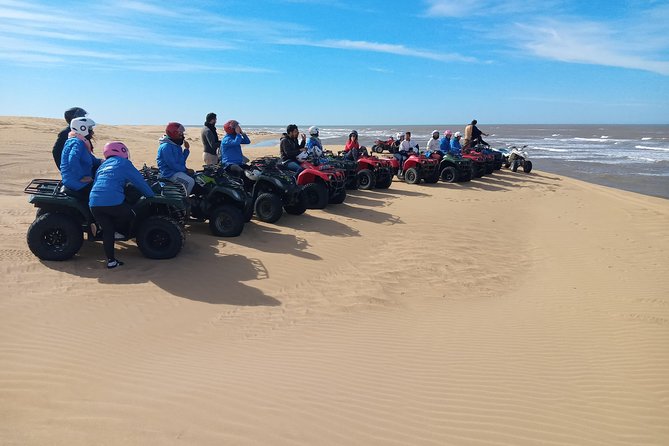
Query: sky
[329, 62]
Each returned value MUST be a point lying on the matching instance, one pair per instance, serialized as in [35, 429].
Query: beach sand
[512, 310]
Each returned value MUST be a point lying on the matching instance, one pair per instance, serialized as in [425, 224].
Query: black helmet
[74, 112]
[353, 133]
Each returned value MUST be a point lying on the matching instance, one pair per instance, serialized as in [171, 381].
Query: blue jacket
[77, 162]
[231, 149]
[171, 158]
[110, 180]
[456, 149]
[445, 144]
[314, 141]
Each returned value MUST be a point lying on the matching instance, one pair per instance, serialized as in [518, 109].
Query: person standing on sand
[210, 140]
[473, 135]
[77, 163]
[231, 148]
[290, 148]
[172, 158]
[70, 114]
[107, 200]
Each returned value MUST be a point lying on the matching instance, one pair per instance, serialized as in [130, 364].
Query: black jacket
[58, 146]
[290, 148]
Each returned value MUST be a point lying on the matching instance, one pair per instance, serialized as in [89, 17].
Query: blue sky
[335, 62]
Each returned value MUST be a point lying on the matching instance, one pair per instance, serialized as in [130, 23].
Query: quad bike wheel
[297, 208]
[339, 197]
[366, 179]
[448, 174]
[377, 148]
[412, 175]
[54, 236]
[268, 207]
[385, 182]
[316, 195]
[514, 165]
[160, 237]
[527, 166]
[226, 221]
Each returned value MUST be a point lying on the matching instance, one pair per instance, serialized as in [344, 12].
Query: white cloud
[590, 43]
[361, 45]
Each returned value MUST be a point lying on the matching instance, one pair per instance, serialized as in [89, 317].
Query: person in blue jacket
[172, 158]
[77, 162]
[445, 142]
[107, 199]
[456, 148]
[70, 114]
[231, 148]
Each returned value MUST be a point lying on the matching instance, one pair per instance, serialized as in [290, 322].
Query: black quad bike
[62, 220]
[218, 197]
[273, 190]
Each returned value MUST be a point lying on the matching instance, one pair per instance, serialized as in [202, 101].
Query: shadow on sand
[200, 272]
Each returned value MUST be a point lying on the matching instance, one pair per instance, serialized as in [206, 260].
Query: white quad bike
[516, 158]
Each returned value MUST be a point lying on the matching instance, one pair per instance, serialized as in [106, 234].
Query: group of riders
[101, 182]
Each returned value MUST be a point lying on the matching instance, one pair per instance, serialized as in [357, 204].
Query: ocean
[629, 157]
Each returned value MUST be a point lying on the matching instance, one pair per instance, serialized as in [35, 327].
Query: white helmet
[82, 126]
[398, 135]
[313, 130]
[435, 131]
[252, 174]
[457, 134]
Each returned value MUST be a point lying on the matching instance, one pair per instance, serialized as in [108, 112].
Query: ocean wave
[661, 149]
[551, 149]
[646, 139]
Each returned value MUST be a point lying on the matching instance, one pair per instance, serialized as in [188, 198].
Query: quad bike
[452, 168]
[370, 171]
[478, 163]
[391, 145]
[62, 220]
[519, 158]
[488, 158]
[416, 167]
[348, 166]
[218, 197]
[320, 184]
[498, 159]
[273, 190]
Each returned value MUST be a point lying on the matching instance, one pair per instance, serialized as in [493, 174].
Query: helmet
[116, 148]
[448, 133]
[353, 133]
[435, 131]
[398, 135]
[302, 156]
[174, 130]
[82, 126]
[74, 112]
[457, 134]
[313, 130]
[230, 127]
[252, 174]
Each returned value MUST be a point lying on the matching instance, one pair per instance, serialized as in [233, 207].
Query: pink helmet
[116, 148]
[448, 133]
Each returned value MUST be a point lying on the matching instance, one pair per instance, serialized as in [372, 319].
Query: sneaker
[119, 236]
[114, 263]
[94, 229]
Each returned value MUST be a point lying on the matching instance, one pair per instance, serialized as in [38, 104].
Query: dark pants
[112, 218]
[81, 194]
[293, 165]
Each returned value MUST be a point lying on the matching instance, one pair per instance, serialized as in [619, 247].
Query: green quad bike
[62, 220]
[218, 197]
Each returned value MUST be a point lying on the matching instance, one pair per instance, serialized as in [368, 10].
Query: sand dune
[515, 309]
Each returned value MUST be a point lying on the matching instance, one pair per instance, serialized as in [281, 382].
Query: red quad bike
[488, 159]
[478, 163]
[416, 168]
[322, 184]
[371, 171]
[391, 145]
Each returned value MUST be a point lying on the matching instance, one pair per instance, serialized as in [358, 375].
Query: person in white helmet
[456, 148]
[77, 163]
[314, 145]
[433, 143]
[70, 114]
